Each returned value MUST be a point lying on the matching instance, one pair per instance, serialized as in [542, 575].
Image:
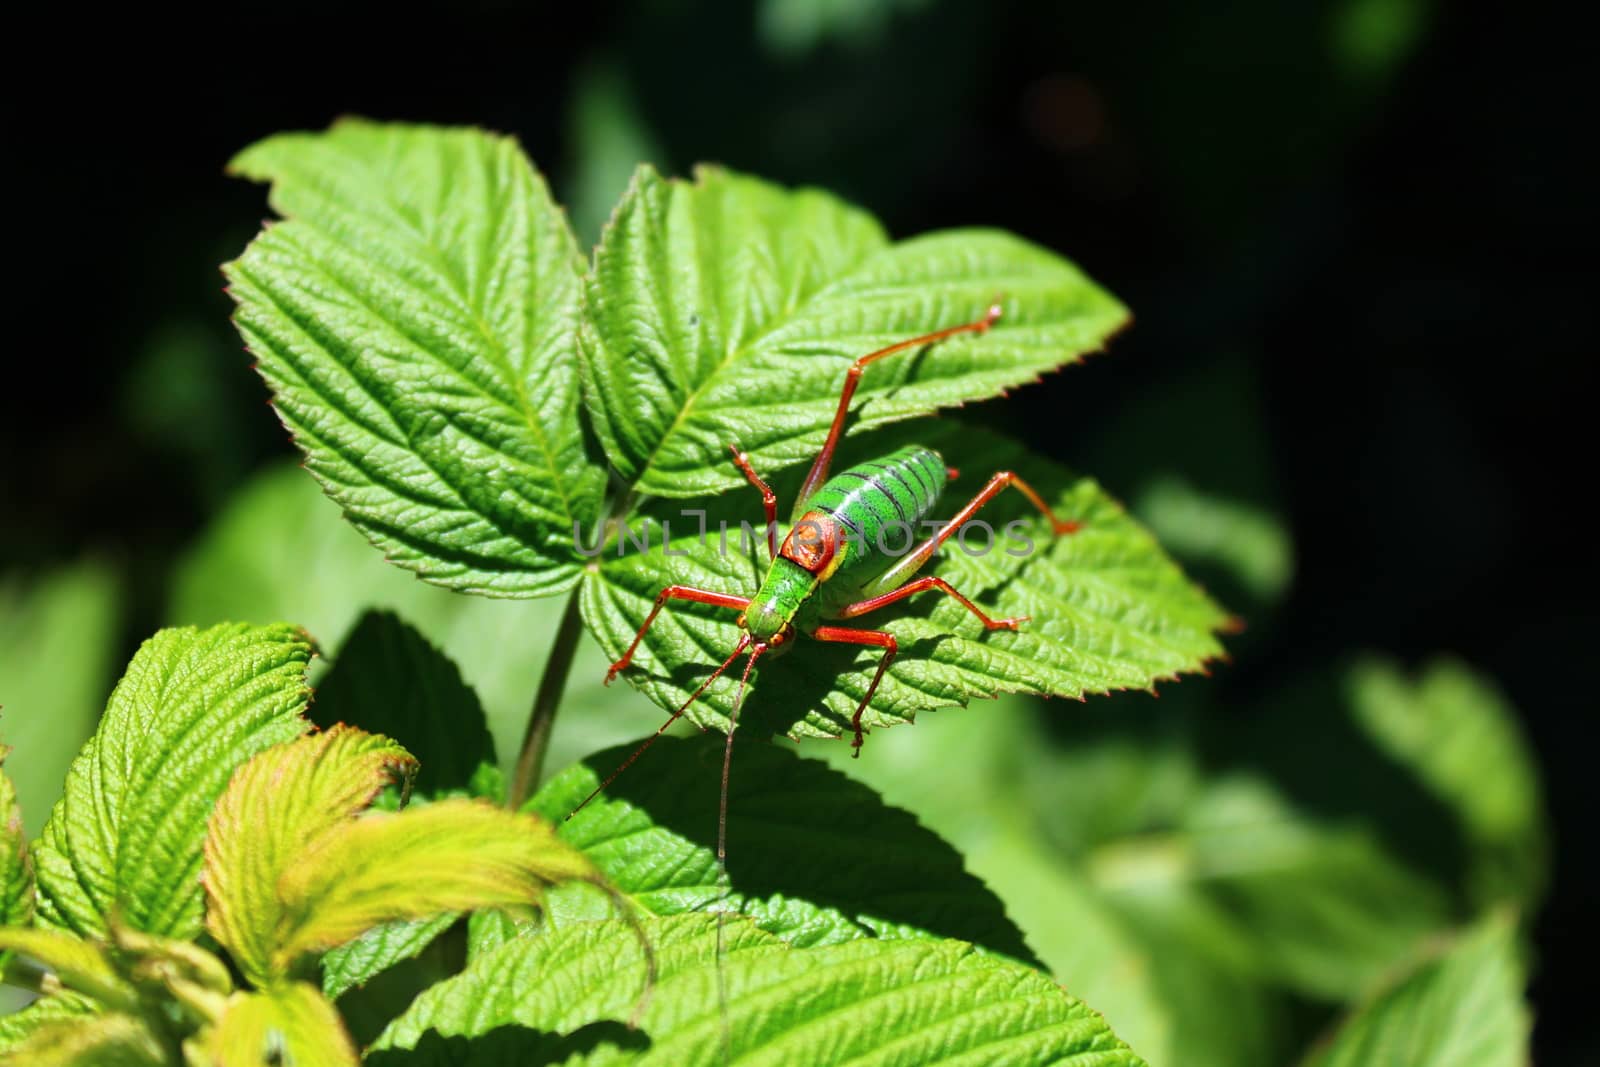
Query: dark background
[1357, 238]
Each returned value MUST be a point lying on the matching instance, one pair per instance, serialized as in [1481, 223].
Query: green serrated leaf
[127, 834]
[414, 316]
[452, 856]
[908, 1001]
[16, 867]
[279, 808]
[290, 1024]
[389, 679]
[1464, 1009]
[1108, 609]
[869, 871]
[730, 308]
[356, 962]
[487, 930]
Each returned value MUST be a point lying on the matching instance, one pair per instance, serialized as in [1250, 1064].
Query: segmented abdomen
[881, 504]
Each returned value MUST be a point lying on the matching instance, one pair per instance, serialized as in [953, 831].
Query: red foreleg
[873, 638]
[675, 592]
[769, 499]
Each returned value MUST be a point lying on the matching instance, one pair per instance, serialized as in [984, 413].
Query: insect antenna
[722, 842]
[727, 749]
[744, 643]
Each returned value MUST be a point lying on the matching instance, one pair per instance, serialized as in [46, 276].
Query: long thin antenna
[744, 643]
[722, 850]
[727, 756]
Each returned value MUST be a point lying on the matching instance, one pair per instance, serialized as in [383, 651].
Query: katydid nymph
[831, 567]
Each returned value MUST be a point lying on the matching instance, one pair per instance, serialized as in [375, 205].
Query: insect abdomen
[881, 504]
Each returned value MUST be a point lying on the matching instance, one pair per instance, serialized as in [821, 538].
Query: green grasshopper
[828, 567]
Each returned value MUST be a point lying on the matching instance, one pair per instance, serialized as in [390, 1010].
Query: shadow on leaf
[510, 1046]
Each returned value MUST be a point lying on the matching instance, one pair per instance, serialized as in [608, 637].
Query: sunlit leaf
[414, 316]
[729, 309]
[356, 962]
[127, 834]
[907, 1001]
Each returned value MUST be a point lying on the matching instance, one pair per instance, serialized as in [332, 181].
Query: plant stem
[542, 717]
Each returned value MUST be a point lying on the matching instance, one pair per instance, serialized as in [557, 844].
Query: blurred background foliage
[1354, 235]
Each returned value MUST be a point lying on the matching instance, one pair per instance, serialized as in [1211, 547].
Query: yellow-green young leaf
[16, 869]
[110, 1040]
[928, 1003]
[1107, 608]
[127, 833]
[415, 318]
[292, 1024]
[80, 965]
[454, 855]
[277, 809]
[730, 308]
[1464, 1009]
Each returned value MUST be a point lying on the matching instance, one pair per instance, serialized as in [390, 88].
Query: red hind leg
[920, 585]
[912, 562]
[819, 468]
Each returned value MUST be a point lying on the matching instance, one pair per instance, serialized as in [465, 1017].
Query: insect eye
[739, 622]
[777, 639]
